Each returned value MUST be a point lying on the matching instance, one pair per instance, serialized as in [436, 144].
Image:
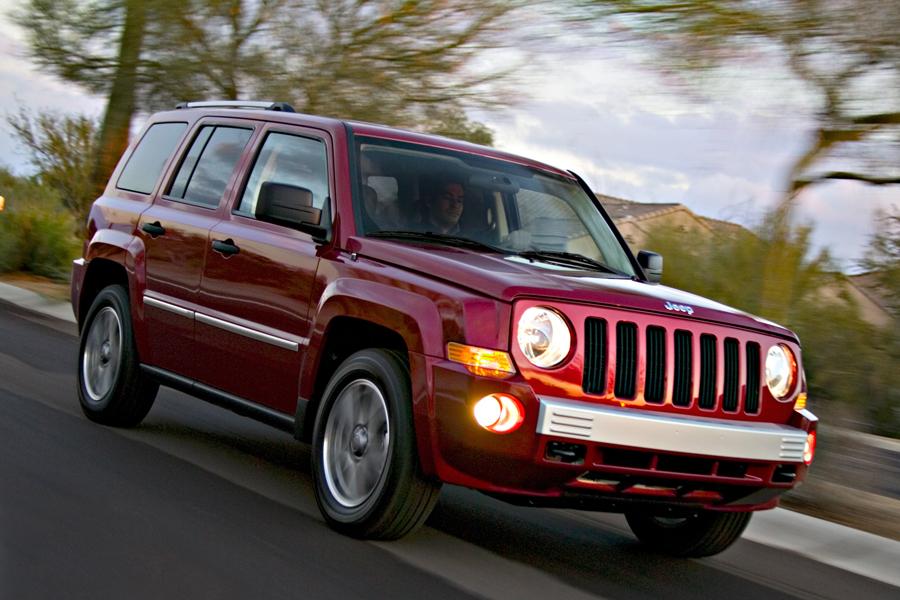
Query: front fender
[414, 317]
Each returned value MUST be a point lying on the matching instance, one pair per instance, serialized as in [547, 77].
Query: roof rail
[276, 106]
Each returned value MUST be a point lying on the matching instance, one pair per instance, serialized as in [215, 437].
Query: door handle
[154, 229]
[225, 247]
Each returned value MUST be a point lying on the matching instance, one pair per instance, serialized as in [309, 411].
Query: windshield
[413, 192]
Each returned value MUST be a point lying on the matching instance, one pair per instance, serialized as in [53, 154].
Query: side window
[289, 159]
[146, 162]
[208, 165]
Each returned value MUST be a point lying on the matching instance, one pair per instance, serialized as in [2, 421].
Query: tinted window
[147, 161]
[513, 208]
[190, 163]
[292, 160]
[208, 165]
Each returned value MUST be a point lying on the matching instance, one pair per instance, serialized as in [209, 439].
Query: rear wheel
[112, 390]
[701, 534]
[366, 470]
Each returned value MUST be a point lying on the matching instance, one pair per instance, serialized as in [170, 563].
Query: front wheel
[367, 477]
[701, 534]
[112, 390]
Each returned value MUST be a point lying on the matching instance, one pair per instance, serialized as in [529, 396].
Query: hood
[508, 278]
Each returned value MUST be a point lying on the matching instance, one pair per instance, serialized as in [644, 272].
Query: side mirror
[291, 206]
[652, 264]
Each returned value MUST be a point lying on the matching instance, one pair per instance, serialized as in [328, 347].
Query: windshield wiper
[568, 258]
[439, 238]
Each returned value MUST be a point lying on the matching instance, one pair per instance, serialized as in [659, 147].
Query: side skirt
[235, 404]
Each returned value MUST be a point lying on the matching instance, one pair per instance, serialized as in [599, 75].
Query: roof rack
[276, 106]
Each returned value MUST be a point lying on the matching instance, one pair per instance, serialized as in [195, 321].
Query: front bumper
[605, 455]
[670, 433]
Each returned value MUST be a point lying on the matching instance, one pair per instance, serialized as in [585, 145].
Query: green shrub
[38, 240]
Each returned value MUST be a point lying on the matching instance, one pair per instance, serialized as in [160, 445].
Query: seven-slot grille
[740, 366]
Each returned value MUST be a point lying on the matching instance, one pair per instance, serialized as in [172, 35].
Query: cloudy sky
[610, 119]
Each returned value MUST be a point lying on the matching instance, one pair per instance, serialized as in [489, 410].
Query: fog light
[499, 413]
[810, 448]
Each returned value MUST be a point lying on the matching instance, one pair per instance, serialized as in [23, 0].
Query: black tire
[370, 485]
[701, 534]
[112, 389]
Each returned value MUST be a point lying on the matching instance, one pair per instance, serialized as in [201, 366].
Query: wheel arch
[101, 272]
[354, 315]
[113, 257]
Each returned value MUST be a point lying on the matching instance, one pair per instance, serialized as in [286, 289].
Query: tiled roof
[620, 209]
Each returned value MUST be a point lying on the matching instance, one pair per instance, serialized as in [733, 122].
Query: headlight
[781, 370]
[544, 336]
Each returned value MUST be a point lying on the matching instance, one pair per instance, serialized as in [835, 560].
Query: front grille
[594, 376]
[672, 354]
[626, 360]
[682, 390]
[732, 373]
[751, 405]
[707, 371]
[655, 386]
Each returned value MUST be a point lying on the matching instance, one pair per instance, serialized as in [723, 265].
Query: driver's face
[447, 208]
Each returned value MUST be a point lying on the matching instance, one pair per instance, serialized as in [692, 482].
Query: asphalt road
[200, 503]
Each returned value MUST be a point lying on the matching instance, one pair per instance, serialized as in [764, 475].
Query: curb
[37, 303]
[835, 545]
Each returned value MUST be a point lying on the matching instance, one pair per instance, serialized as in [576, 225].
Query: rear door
[175, 233]
[256, 289]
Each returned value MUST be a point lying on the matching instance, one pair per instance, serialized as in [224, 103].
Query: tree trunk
[120, 107]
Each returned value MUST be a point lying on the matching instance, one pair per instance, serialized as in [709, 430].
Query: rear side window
[208, 165]
[147, 161]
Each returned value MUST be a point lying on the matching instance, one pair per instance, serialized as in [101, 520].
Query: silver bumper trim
[670, 433]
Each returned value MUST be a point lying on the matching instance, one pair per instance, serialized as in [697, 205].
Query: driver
[444, 203]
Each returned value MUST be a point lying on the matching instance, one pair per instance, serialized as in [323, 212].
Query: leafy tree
[407, 62]
[98, 45]
[845, 53]
[61, 149]
[379, 60]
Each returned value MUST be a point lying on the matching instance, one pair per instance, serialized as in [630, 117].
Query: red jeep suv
[423, 310]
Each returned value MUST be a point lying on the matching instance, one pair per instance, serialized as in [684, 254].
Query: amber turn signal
[481, 361]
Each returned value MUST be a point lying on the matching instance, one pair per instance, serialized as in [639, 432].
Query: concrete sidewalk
[37, 303]
[842, 547]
